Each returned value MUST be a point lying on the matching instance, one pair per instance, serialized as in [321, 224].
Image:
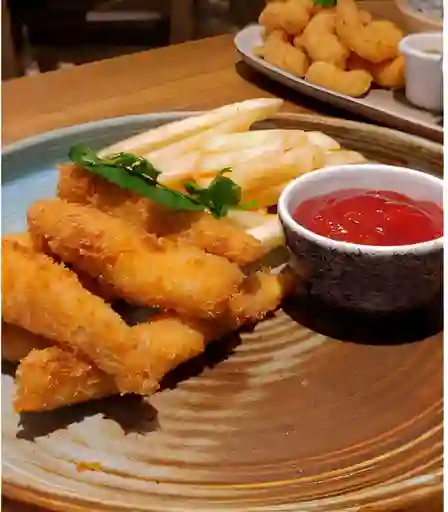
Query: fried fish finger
[47, 299]
[147, 271]
[53, 377]
[24, 242]
[21, 241]
[216, 236]
[169, 341]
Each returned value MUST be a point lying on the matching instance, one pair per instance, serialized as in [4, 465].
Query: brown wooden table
[191, 76]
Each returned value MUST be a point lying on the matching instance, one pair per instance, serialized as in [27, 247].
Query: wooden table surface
[191, 76]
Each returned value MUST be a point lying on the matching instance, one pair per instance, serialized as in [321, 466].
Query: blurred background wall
[41, 35]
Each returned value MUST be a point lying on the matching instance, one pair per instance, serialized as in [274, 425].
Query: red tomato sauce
[371, 217]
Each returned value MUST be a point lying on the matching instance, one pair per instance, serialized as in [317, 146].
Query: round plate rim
[385, 498]
[169, 116]
[28, 495]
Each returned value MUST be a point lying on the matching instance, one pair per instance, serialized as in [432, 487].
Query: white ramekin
[364, 277]
[423, 70]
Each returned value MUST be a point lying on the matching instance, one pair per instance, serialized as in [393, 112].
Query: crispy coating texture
[321, 42]
[216, 236]
[20, 241]
[352, 83]
[145, 270]
[47, 299]
[374, 41]
[23, 241]
[52, 378]
[280, 52]
[17, 343]
[388, 74]
[291, 16]
[260, 294]
[98, 287]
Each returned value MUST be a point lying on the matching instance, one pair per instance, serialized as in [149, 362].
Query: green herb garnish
[135, 173]
[325, 3]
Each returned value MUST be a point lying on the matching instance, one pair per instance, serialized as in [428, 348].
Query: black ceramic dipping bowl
[364, 277]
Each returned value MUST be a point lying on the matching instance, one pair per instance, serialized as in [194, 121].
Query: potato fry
[323, 141]
[248, 111]
[270, 234]
[211, 164]
[240, 141]
[271, 170]
[167, 158]
[248, 219]
[275, 171]
[177, 170]
[343, 157]
[268, 196]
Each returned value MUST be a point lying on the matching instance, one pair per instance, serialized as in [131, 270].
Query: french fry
[323, 141]
[165, 155]
[269, 169]
[248, 219]
[211, 164]
[248, 111]
[343, 157]
[270, 233]
[287, 139]
[266, 197]
[177, 170]
[274, 171]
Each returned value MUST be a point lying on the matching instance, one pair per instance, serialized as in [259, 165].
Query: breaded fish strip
[23, 241]
[17, 343]
[20, 241]
[216, 236]
[46, 379]
[145, 270]
[47, 299]
[52, 378]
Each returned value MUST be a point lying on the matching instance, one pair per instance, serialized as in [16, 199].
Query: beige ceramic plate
[279, 419]
[380, 105]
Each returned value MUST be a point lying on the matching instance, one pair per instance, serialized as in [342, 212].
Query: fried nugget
[216, 236]
[281, 53]
[17, 343]
[52, 378]
[374, 41]
[389, 74]
[47, 299]
[321, 42]
[147, 271]
[291, 16]
[352, 83]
